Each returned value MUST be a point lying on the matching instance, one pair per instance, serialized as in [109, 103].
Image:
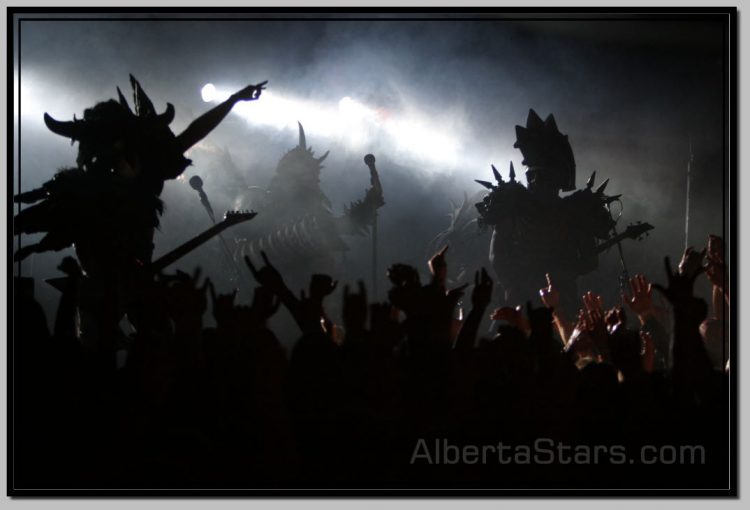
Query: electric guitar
[631, 232]
[230, 218]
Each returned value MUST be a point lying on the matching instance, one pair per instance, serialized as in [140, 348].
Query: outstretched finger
[549, 279]
[443, 250]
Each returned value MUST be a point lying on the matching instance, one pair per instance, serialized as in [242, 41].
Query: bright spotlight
[208, 92]
[354, 110]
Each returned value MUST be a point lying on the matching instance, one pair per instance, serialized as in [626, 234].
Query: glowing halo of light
[208, 92]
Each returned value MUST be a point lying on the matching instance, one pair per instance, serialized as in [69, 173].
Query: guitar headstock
[637, 230]
[235, 217]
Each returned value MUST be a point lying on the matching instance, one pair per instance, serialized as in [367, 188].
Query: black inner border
[15, 15]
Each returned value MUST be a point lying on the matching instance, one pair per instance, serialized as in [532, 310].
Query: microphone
[370, 160]
[197, 184]
[374, 177]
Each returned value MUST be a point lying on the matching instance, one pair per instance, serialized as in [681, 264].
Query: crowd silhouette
[190, 406]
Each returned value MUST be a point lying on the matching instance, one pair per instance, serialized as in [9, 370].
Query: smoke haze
[631, 94]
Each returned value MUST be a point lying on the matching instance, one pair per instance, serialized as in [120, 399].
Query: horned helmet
[111, 136]
[546, 153]
[298, 169]
[300, 162]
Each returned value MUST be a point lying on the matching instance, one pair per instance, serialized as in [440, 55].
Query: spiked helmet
[543, 146]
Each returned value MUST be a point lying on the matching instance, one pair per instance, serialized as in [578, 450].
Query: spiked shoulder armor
[504, 199]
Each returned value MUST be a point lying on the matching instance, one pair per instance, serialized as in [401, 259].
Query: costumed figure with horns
[537, 232]
[108, 205]
[297, 227]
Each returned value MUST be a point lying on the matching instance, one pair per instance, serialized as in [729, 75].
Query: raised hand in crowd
[691, 363]
[305, 313]
[185, 298]
[550, 297]
[438, 267]
[594, 324]
[514, 316]
[224, 310]
[691, 262]
[640, 300]
[481, 296]
[716, 270]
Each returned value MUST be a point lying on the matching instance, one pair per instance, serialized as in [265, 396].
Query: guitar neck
[179, 252]
[609, 243]
[616, 239]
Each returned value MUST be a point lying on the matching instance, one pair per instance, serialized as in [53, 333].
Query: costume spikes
[533, 121]
[324, 156]
[613, 198]
[302, 141]
[143, 105]
[168, 116]
[590, 182]
[498, 177]
[550, 123]
[123, 101]
[601, 187]
[486, 184]
[521, 136]
[69, 129]
[512, 172]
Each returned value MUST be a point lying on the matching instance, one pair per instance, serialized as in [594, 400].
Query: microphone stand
[197, 184]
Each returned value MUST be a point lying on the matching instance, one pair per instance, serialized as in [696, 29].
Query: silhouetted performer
[108, 205]
[296, 225]
[535, 231]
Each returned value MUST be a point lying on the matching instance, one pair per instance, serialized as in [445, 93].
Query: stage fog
[435, 100]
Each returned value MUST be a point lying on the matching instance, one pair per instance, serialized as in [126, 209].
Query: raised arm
[200, 127]
[550, 297]
[480, 299]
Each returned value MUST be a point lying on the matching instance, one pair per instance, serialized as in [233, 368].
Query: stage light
[410, 134]
[208, 92]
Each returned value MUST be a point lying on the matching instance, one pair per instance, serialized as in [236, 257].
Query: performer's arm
[206, 123]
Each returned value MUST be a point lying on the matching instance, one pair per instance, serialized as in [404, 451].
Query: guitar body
[535, 234]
